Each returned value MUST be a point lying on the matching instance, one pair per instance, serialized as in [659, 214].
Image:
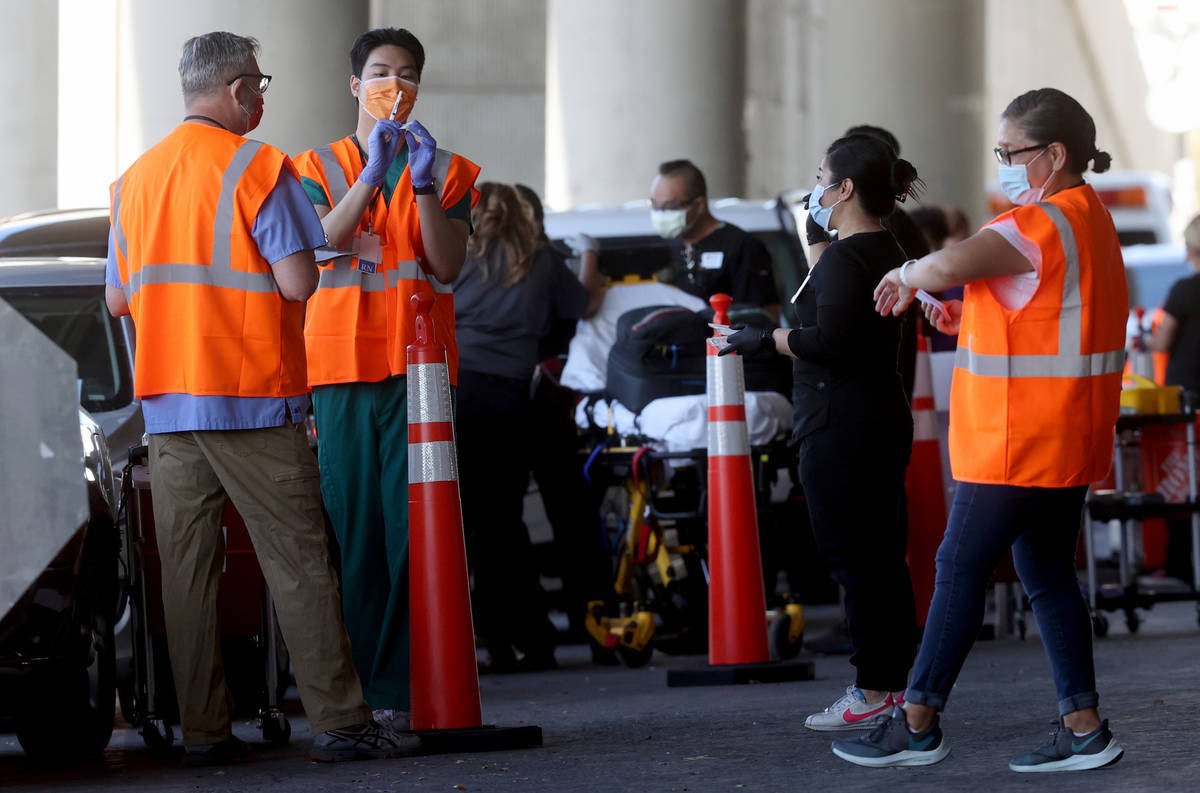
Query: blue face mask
[818, 213]
[1014, 181]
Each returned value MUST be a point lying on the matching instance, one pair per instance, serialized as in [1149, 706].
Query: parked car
[64, 298]
[58, 651]
[56, 232]
[57, 647]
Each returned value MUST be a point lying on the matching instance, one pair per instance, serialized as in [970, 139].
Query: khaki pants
[271, 477]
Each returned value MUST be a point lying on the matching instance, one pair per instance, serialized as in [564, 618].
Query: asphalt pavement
[619, 729]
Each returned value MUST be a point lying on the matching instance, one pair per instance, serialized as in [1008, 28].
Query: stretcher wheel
[1100, 625]
[276, 729]
[635, 658]
[157, 735]
[1132, 621]
[781, 646]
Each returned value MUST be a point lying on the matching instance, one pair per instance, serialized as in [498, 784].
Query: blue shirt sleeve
[286, 222]
[112, 275]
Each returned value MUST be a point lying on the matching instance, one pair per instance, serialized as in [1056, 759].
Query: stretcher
[256, 660]
[653, 516]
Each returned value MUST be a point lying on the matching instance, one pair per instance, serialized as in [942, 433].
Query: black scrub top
[847, 371]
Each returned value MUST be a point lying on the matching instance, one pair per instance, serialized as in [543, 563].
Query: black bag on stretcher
[660, 352]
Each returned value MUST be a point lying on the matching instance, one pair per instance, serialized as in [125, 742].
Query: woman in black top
[852, 420]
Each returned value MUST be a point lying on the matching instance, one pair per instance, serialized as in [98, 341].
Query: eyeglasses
[264, 80]
[1005, 157]
[672, 204]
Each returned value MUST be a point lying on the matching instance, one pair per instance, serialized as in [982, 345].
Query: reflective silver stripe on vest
[344, 273]
[411, 271]
[728, 438]
[335, 177]
[1069, 361]
[441, 168]
[726, 380]
[432, 461]
[223, 222]
[118, 229]
[220, 271]
[428, 393]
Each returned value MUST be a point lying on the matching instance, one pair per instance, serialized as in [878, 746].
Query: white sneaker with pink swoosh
[851, 712]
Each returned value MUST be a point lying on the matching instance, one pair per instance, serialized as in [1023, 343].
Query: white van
[629, 244]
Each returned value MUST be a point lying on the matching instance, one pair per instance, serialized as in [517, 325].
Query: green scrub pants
[362, 435]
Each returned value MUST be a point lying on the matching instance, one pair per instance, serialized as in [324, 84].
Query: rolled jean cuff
[1088, 699]
[935, 701]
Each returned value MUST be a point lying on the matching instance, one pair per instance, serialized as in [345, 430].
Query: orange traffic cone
[445, 682]
[737, 624]
[923, 486]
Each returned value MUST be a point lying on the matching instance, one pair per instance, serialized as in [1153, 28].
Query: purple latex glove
[381, 150]
[421, 150]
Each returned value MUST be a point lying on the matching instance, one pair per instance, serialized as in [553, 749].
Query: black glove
[814, 232]
[749, 340]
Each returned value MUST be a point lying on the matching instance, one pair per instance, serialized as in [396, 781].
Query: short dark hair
[876, 132]
[364, 44]
[693, 180]
[933, 224]
[1047, 115]
[880, 177]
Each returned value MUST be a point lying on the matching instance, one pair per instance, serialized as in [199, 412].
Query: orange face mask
[388, 97]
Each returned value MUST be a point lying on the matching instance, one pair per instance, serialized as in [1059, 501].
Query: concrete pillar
[916, 68]
[630, 84]
[483, 89]
[305, 47]
[29, 124]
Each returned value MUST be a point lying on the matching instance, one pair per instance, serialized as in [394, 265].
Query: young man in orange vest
[397, 210]
[211, 254]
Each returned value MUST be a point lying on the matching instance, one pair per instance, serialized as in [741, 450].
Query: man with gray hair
[211, 254]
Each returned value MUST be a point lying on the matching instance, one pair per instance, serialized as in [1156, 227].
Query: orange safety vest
[1036, 390]
[359, 325]
[209, 316]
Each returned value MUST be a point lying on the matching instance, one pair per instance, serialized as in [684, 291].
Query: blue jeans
[1042, 527]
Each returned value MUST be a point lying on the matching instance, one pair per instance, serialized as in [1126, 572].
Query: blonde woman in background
[508, 293]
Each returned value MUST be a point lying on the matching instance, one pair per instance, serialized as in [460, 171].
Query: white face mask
[1014, 181]
[669, 223]
[821, 214]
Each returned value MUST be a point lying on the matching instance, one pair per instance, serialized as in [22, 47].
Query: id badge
[712, 260]
[370, 252]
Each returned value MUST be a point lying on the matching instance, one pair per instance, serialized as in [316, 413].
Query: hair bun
[1101, 161]
[904, 177]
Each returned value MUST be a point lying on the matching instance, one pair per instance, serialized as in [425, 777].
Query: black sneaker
[893, 744]
[230, 750]
[363, 741]
[1066, 751]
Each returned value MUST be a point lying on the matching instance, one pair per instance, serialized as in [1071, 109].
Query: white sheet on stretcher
[678, 424]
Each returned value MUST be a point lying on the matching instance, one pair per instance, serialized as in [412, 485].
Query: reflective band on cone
[737, 624]
[445, 679]
[923, 486]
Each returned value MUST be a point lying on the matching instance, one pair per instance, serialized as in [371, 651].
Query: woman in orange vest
[1033, 407]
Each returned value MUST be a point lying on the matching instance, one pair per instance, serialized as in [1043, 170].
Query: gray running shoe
[363, 741]
[1066, 751]
[893, 744]
[398, 720]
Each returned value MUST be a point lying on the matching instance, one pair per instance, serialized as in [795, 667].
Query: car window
[77, 320]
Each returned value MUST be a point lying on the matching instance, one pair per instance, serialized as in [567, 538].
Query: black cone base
[479, 739]
[735, 674]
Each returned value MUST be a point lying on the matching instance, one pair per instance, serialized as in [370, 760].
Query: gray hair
[209, 60]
